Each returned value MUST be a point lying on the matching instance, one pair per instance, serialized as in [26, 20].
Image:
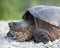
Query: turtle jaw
[15, 35]
[20, 36]
[11, 36]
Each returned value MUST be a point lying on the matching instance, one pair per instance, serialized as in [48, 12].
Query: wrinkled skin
[45, 32]
[22, 31]
[26, 30]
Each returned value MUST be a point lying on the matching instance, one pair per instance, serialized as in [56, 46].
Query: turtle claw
[39, 36]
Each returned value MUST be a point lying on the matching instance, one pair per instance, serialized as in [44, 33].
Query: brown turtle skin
[21, 32]
[45, 32]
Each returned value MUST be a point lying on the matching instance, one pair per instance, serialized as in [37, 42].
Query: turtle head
[22, 31]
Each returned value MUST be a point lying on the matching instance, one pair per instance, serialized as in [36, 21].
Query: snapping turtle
[40, 22]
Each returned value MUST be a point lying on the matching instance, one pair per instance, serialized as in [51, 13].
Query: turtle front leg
[40, 36]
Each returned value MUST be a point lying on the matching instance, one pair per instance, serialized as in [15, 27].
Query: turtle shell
[50, 14]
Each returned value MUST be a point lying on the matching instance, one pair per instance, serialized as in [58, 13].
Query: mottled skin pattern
[22, 31]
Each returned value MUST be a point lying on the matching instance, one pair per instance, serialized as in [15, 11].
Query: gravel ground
[9, 43]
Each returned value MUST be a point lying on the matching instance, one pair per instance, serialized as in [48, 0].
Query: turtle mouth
[14, 34]
[9, 35]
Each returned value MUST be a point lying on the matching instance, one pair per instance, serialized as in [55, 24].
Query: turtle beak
[9, 34]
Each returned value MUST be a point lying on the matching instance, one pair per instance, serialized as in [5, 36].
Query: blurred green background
[14, 9]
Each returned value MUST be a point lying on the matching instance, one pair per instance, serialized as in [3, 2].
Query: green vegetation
[14, 9]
